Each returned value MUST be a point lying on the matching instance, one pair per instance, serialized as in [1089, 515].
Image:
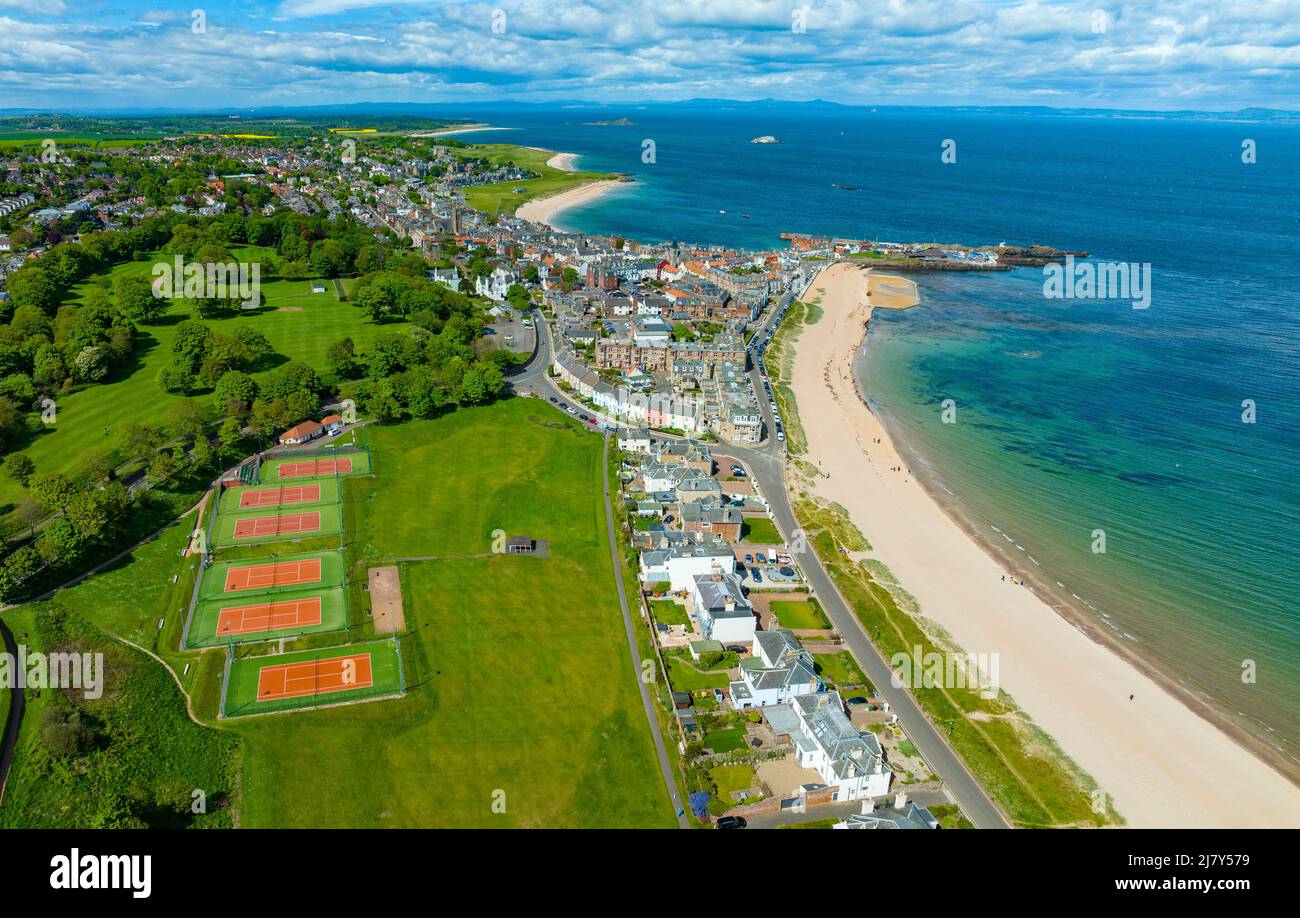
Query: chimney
[900, 801]
[729, 604]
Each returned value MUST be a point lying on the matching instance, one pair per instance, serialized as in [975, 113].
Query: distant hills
[450, 109]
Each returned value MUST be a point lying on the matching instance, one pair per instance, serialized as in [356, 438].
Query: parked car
[760, 557]
[857, 699]
[749, 559]
[554, 400]
[758, 576]
[732, 822]
[668, 519]
[582, 417]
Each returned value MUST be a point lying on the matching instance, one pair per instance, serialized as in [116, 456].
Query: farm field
[299, 324]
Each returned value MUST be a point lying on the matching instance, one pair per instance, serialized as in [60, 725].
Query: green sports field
[276, 525]
[214, 578]
[207, 615]
[377, 672]
[230, 498]
[360, 462]
[299, 324]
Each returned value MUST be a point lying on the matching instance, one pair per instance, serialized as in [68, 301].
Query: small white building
[779, 670]
[497, 284]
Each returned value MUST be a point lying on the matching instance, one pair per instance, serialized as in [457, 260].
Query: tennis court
[309, 678]
[269, 616]
[280, 524]
[263, 616]
[289, 468]
[236, 499]
[294, 573]
[274, 574]
[257, 527]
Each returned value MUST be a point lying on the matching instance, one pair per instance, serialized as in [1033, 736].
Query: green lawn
[731, 779]
[140, 758]
[90, 420]
[759, 530]
[502, 197]
[667, 612]
[520, 689]
[800, 614]
[684, 676]
[840, 669]
[731, 739]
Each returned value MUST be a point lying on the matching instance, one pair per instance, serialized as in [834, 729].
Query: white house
[683, 563]
[495, 285]
[779, 670]
[634, 440]
[724, 613]
[825, 741]
[447, 277]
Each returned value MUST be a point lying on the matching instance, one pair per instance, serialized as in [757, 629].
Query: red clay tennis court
[280, 573]
[314, 677]
[271, 497]
[277, 525]
[311, 467]
[269, 616]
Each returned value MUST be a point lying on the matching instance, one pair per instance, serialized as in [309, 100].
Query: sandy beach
[544, 210]
[471, 129]
[565, 162]
[1162, 763]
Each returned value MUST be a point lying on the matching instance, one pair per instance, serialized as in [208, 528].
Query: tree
[20, 468]
[32, 286]
[53, 489]
[16, 570]
[136, 300]
[235, 392]
[90, 365]
[60, 544]
[191, 344]
[341, 358]
[203, 454]
[229, 434]
[257, 347]
[185, 419]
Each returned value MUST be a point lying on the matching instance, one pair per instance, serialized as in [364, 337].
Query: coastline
[471, 129]
[544, 210]
[1160, 756]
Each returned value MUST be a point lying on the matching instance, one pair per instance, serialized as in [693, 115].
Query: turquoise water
[1072, 415]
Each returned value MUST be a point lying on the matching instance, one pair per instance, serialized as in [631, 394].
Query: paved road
[15, 718]
[766, 463]
[647, 701]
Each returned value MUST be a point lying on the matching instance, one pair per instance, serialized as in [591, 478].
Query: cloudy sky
[1148, 54]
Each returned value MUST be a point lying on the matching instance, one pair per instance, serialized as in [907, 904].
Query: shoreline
[472, 129]
[545, 210]
[1164, 758]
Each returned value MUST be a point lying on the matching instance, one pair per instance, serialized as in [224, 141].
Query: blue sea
[1072, 415]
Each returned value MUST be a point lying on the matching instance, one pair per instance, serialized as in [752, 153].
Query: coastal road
[766, 463]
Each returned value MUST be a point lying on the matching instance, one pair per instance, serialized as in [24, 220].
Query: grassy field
[140, 759]
[522, 709]
[90, 420]
[759, 530]
[801, 614]
[503, 197]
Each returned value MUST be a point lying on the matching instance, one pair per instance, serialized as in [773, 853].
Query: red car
[591, 421]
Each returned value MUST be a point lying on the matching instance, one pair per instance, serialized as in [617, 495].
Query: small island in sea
[766, 138]
[619, 122]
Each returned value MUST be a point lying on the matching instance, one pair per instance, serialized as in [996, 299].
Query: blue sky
[1158, 54]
